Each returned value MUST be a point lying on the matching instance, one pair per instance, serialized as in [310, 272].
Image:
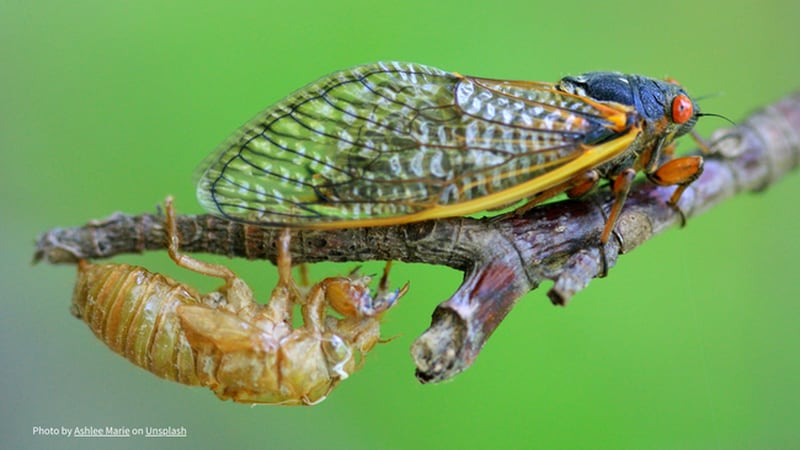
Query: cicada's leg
[238, 294]
[681, 172]
[620, 188]
[583, 184]
[701, 142]
[575, 187]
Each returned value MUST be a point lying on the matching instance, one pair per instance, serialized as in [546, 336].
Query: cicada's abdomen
[133, 311]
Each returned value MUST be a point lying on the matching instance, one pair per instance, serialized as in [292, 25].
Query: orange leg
[584, 184]
[620, 189]
[681, 172]
[575, 187]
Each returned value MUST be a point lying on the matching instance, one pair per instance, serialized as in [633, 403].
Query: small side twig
[502, 259]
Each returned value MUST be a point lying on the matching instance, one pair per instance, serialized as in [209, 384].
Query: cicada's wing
[396, 142]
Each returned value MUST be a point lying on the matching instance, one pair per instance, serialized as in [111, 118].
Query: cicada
[392, 143]
[224, 340]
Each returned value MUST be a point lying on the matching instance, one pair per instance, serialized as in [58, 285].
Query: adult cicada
[391, 143]
[226, 341]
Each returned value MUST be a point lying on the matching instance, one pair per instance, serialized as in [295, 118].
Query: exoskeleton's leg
[350, 296]
[384, 283]
[385, 298]
[237, 292]
[285, 295]
[304, 279]
[284, 258]
[315, 307]
[362, 311]
[186, 261]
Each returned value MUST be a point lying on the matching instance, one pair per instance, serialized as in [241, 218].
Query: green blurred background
[691, 342]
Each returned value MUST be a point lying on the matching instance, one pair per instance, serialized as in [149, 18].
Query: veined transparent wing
[396, 142]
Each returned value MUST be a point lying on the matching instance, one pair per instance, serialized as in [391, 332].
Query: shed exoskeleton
[224, 340]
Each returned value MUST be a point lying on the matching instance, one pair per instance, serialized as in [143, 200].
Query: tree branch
[502, 258]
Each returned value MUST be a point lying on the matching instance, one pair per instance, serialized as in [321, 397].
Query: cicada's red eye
[682, 109]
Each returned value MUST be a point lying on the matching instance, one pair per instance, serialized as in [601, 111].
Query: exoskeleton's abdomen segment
[134, 312]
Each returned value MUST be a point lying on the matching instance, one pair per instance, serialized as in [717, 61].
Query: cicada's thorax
[653, 111]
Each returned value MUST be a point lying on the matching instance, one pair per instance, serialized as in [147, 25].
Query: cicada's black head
[652, 99]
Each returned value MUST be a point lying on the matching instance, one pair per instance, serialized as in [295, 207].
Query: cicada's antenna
[700, 98]
[717, 115]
